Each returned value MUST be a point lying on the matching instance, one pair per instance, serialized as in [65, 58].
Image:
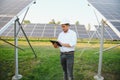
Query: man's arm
[65, 45]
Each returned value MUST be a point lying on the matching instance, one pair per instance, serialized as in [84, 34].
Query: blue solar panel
[110, 9]
[9, 9]
[81, 31]
[52, 31]
[49, 30]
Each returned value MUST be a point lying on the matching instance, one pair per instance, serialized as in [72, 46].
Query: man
[68, 39]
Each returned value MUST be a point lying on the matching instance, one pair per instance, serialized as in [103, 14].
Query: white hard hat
[65, 22]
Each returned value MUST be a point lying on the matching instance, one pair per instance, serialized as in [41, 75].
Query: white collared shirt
[69, 38]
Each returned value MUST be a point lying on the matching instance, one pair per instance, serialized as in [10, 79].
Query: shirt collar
[68, 31]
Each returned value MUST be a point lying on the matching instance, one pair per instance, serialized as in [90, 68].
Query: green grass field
[47, 65]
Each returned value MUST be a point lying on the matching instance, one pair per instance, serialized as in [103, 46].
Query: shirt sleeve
[73, 40]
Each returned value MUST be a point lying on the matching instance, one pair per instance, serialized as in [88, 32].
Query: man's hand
[55, 45]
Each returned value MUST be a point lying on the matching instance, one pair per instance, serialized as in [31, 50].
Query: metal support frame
[77, 31]
[98, 76]
[11, 44]
[55, 30]
[27, 38]
[43, 30]
[93, 33]
[23, 19]
[17, 76]
[109, 48]
[17, 27]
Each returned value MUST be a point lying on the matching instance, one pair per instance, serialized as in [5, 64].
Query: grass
[47, 65]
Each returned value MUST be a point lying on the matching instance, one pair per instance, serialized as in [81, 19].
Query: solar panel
[42, 30]
[108, 33]
[112, 35]
[38, 30]
[52, 31]
[49, 30]
[110, 9]
[9, 9]
[58, 30]
[72, 27]
[94, 34]
[81, 31]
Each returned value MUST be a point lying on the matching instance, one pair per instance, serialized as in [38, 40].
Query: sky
[73, 10]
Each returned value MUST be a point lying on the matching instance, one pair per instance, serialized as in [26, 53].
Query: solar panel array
[108, 33]
[52, 31]
[45, 30]
[9, 9]
[110, 9]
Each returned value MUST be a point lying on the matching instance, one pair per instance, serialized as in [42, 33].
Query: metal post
[98, 76]
[27, 38]
[110, 48]
[55, 26]
[17, 76]
[23, 20]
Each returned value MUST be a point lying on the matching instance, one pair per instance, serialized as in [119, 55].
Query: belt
[70, 52]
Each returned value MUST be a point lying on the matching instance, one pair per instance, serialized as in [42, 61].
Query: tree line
[50, 22]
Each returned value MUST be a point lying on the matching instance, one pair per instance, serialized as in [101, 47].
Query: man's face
[65, 27]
